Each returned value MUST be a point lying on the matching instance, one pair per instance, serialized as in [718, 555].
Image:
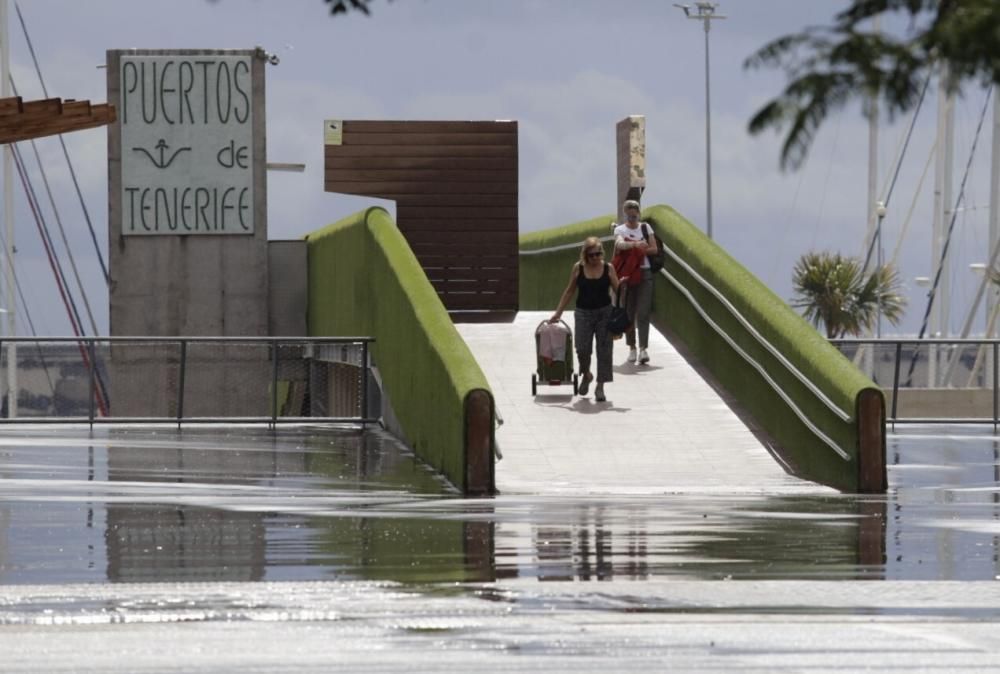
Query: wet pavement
[341, 546]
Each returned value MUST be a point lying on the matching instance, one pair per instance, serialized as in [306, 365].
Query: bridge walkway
[663, 428]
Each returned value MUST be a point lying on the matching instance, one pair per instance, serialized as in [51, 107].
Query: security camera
[270, 57]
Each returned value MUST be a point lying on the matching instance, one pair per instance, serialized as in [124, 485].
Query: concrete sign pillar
[630, 135]
[187, 211]
[187, 193]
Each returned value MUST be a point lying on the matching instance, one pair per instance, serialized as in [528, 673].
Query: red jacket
[628, 265]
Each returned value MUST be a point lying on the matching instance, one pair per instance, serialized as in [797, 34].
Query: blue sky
[566, 70]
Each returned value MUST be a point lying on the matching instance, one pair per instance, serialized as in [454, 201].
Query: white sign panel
[186, 145]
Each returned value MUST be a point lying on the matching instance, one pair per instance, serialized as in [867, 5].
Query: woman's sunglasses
[595, 253]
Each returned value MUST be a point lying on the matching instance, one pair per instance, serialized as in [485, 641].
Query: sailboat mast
[994, 230]
[8, 216]
[942, 209]
[871, 202]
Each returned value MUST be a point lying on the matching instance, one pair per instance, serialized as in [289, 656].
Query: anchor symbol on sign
[162, 147]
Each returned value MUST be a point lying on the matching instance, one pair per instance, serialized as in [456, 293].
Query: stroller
[553, 372]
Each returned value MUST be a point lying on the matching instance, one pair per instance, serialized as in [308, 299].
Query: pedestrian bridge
[662, 429]
[741, 392]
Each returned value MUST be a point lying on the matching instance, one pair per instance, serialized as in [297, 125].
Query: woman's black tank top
[592, 293]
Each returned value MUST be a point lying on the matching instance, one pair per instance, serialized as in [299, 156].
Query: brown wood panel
[469, 222]
[478, 300]
[458, 249]
[455, 185]
[441, 151]
[355, 126]
[381, 188]
[449, 240]
[448, 274]
[498, 315]
[453, 200]
[76, 108]
[453, 286]
[46, 106]
[420, 175]
[433, 162]
[19, 127]
[11, 106]
[426, 138]
[464, 212]
[489, 261]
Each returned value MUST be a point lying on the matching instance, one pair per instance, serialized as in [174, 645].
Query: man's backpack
[655, 261]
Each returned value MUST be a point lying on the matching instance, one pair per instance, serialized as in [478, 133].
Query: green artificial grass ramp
[365, 280]
[543, 277]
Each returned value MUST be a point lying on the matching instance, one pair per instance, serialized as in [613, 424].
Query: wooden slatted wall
[26, 120]
[455, 188]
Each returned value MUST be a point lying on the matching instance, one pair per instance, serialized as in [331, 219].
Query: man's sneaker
[599, 393]
[643, 356]
[631, 354]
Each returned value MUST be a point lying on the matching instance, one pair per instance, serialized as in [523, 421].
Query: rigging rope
[895, 175]
[947, 241]
[26, 308]
[62, 230]
[99, 392]
[69, 163]
[50, 247]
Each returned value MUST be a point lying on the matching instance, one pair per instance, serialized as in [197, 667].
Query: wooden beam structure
[455, 188]
[20, 120]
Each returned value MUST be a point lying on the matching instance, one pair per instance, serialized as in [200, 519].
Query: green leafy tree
[343, 6]
[834, 290]
[829, 66]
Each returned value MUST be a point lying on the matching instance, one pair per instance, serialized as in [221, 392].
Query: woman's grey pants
[639, 304]
[591, 323]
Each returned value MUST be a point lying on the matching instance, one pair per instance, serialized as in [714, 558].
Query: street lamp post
[705, 12]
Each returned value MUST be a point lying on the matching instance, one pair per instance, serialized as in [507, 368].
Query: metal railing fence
[932, 375]
[270, 380]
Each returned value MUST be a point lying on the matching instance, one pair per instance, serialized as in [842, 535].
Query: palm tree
[835, 291]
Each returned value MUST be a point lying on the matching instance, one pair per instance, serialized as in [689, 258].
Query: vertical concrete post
[630, 134]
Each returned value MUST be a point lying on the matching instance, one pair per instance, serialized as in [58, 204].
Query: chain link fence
[194, 379]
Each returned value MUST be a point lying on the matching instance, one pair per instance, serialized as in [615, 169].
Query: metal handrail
[939, 341]
[88, 343]
[815, 390]
[761, 370]
[177, 340]
[564, 246]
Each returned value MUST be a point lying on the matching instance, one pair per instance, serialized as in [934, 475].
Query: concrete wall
[288, 292]
[942, 403]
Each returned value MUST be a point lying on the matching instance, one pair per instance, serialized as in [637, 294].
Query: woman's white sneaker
[643, 356]
[632, 355]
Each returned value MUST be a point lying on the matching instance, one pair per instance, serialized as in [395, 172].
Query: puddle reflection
[211, 506]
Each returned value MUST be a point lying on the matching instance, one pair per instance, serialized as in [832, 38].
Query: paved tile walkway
[663, 429]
